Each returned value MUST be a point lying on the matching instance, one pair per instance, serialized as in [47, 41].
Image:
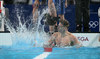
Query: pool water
[57, 53]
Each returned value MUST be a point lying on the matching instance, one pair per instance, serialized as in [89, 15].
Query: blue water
[57, 53]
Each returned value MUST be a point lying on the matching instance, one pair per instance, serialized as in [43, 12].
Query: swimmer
[63, 38]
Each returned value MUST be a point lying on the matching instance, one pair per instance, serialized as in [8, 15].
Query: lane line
[43, 55]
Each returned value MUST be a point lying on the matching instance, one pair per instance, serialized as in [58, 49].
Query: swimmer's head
[64, 23]
[63, 26]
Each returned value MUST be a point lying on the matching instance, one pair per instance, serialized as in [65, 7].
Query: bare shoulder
[68, 33]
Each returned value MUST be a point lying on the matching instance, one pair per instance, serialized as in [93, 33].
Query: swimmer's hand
[48, 45]
[45, 45]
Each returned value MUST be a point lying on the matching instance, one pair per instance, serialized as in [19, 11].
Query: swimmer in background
[63, 38]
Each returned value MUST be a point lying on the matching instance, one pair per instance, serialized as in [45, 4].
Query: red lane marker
[0, 7]
[47, 49]
[0, 11]
[0, 3]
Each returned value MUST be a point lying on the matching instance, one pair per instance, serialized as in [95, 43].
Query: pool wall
[87, 39]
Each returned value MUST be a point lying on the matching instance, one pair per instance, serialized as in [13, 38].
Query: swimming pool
[57, 53]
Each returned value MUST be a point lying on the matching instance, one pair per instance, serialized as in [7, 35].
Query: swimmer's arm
[70, 34]
[53, 37]
[77, 43]
[50, 42]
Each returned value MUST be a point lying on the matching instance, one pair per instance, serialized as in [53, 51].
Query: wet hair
[65, 23]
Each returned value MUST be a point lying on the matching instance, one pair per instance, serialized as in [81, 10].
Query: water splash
[23, 36]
